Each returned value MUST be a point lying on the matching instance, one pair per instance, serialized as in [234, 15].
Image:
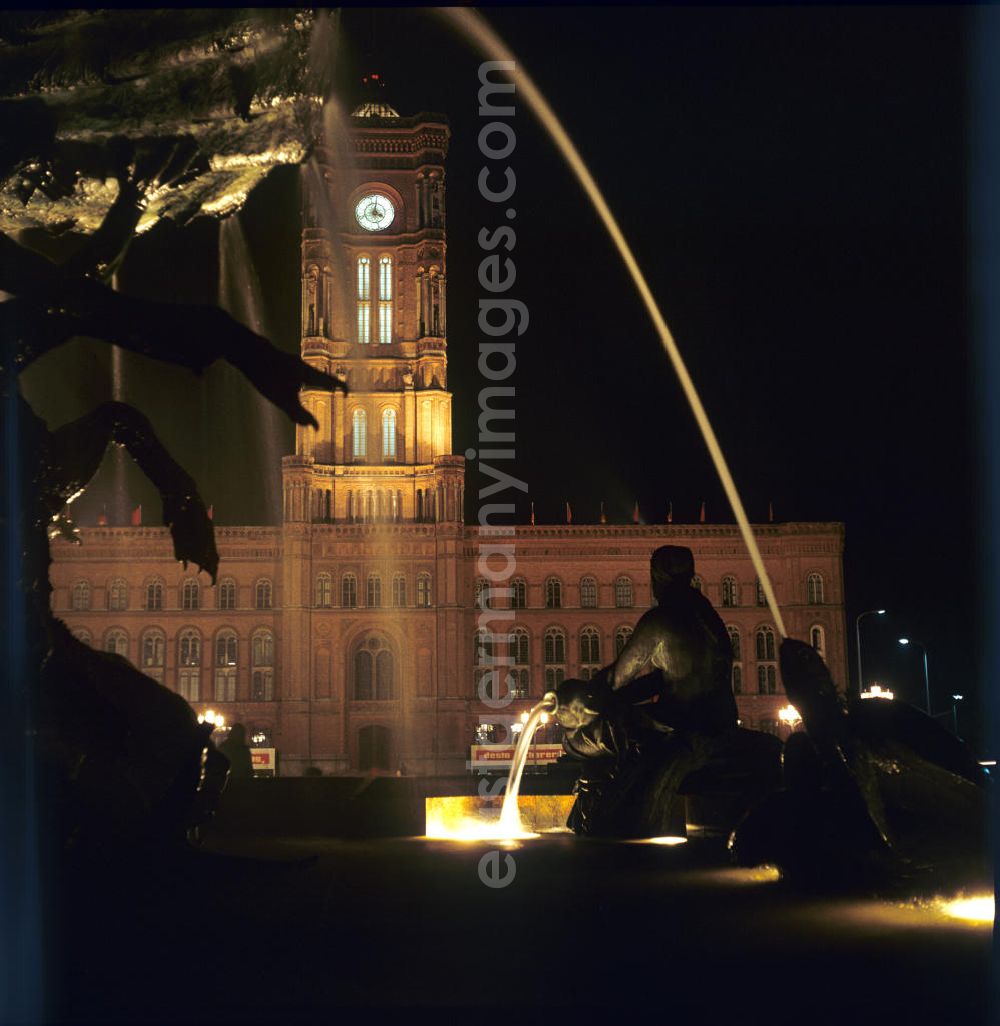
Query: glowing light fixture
[789, 715]
[877, 691]
[665, 840]
[977, 909]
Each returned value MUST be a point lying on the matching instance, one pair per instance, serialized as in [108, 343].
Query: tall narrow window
[399, 591]
[767, 683]
[374, 671]
[262, 677]
[553, 593]
[385, 300]
[623, 592]
[226, 649]
[518, 593]
[364, 301]
[349, 591]
[263, 594]
[817, 639]
[765, 643]
[190, 595]
[189, 665]
[227, 595]
[154, 595]
[590, 646]
[424, 591]
[116, 641]
[359, 431]
[118, 594]
[734, 641]
[324, 590]
[153, 649]
[737, 679]
[622, 636]
[555, 645]
[388, 434]
[761, 597]
[730, 592]
[374, 596]
[814, 586]
[588, 593]
[81, 595]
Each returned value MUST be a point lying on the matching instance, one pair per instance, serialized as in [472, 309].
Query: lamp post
[955, 699]
[857, 635]
[927, 680]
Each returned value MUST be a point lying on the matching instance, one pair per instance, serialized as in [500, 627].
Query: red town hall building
[347, 636]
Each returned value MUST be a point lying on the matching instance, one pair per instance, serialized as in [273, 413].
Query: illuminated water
[510, 815]
[477, 31]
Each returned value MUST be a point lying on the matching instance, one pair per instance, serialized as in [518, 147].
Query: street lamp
[927, 681]
[857, 635]
[955, 699]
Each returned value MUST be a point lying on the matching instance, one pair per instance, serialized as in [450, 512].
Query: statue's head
[238, 734]
[671, 566]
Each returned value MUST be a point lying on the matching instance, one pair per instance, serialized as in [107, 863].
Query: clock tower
[374, 314]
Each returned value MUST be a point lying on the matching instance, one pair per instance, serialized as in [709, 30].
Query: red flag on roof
[701, 515]
[635, 512]
[569, 514]
[770, 512]
[532, 514]
[670, 513]
[211, 512]
[137, 516]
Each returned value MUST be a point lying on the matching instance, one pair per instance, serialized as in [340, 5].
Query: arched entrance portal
[374, 748]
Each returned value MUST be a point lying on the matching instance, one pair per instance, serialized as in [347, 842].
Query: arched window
[554, 676]
[349, 591]
[373, 596]
[189, 664]
[190, 595]
[553, 593]
[520, 647]
[730, 592]
[814, 588]
[555, 645]
[588, 593]
[424, 591]
[374, 670]
[388, 434]
[590, 645]
[767, 683]
[262, 670]
[385, 300]
[359, 435]
[737, 679]
[83, 635]
[734, 641]
[519, 680]
[483, 598]
[116, 641]
[153, 649]
[765, 643]
[623, 592]
[485, 643]
[399, 590]
[226, 662]
[263, 594]
[761, 597]
[622, 636]
[518, 593]
[227, 594]
[324, 590]
[81, 596]
[817, 638]
[696, 583]
[364, 300]
[374, 747]
[118, 594]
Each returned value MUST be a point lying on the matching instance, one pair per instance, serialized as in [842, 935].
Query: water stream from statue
[511, 824]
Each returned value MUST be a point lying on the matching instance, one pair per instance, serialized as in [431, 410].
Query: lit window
[262, 676]
[226, 652]
[189, 665]
[519, 647]
[737, 679]
[555, 645]
[622, 636]
[364, 301]
[359, 435]
[81, 596]
[190, 595]
[399, 591]
[814, 587]
[519, 681]
[153, 650]
[623, 592]
[424, 591]
[324, 591]
[374, 593]
[483, 599]
[553, 593]
[588, 593]
[730, 592]
[389, 434]
[554, 676]
[116, 642]
[263, 594]
[518, 593]
[590, 645]
[817, 638]
[765, 643]
[385, 300]
[761, 597]
[118, 594]
[227, 595]
[349, 591]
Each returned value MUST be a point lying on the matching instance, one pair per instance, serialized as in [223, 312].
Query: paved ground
[292, 929]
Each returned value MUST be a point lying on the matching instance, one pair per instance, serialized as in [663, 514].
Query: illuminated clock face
[374, 212]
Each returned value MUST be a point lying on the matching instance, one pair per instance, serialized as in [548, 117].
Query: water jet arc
[474, 28]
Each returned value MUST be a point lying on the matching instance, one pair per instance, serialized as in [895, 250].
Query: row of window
[373, 591]
[513, 647]
[118, 595]
[731, 590]
[359, 434]
[516, 593]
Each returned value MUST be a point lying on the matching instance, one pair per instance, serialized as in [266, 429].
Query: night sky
[793, 183]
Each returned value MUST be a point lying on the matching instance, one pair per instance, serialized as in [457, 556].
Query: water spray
[475, 29]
